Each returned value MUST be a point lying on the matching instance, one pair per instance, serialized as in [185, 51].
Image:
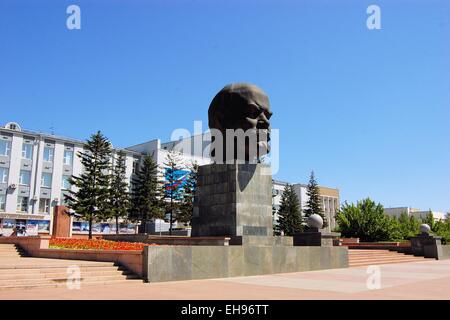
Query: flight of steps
[366, 257]
[19, 271]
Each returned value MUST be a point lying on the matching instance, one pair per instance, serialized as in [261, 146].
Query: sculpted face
[246, 107]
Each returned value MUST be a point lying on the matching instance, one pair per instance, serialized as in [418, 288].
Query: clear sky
[368, 110]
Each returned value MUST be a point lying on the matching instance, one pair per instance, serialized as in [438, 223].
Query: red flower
[84, 244]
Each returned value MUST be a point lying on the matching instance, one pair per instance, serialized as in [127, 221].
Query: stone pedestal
[426, 245]
[233, 200]
[314, 237]
[62, 223]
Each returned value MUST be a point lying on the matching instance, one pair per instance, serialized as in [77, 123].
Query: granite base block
[172, 263]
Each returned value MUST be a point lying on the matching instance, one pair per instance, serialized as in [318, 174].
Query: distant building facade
[34, 176]
[329, 197]
[417, 213]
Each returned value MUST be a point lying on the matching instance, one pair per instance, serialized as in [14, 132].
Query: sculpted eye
[252, 111]
[268, 114]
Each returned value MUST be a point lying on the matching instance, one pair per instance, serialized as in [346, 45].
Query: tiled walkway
[415, 280]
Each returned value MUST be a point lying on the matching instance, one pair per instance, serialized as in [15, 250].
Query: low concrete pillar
[62, 222]
[314, 237]
[426, 245]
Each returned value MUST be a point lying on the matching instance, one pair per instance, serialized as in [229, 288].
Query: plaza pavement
[415, 280]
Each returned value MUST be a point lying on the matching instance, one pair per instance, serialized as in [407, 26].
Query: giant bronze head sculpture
[242, 108]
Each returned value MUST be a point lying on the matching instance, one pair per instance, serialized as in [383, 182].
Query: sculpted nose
[263, 122]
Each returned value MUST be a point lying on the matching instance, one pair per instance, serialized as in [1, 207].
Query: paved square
[415, 280]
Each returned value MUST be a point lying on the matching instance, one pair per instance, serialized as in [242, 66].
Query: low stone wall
[32, 245]
[445, 254]
[142, 237]
[167, 263]
[170, 240]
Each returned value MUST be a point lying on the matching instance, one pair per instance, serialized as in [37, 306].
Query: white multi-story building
[328, 196]
[34, 176]
[417, 213]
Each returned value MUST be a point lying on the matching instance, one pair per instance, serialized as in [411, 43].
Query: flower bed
[83, 244]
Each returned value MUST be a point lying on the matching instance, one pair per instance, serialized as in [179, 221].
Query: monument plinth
[233, 200]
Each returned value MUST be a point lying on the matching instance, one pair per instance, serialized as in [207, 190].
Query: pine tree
[90, 200]
[313, 205]
[173, 186]
[189, 188]
[119, 193]
[289, 216]
[146, 195]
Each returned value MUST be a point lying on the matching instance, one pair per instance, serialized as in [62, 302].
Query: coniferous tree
[146, 195]
[189, 188]
[119, 193]
[313, 205]
[90, 200]
[172, 186]
[289, 216]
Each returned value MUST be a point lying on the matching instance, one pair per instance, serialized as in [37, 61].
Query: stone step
[49, 274]
[398, 255]
[379, 255]
[63, 279]
[11, 254]
[381, 261]
[9, 249]
[366, 257]
[58, 270]
[368, 263]
[359, 251]
[57, 285]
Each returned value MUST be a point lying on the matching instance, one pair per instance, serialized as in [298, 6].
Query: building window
[68, 157]
[2, 202]
[46, 180]
[48, 154]
[5, 148]
[44, 205]
[25, 177]
[4, 175]
[22, 204]
[66, 183]
[136, 166]
[27, 151]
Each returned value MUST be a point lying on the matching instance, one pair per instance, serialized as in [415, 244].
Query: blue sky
[368, 110]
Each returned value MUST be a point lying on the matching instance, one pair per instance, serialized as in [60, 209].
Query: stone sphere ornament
[315, 221]
[425, 228]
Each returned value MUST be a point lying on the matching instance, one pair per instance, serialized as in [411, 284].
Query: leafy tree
[365, 220]
[119, 193]
[314, 204]
[146, 195]
[173, 186]
[91, 198]
[406, 226]
[188, 193]
[289, 216]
